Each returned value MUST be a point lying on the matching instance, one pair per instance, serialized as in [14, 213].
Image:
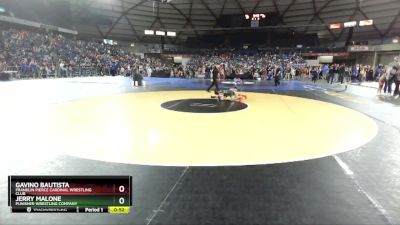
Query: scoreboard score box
[70, 194]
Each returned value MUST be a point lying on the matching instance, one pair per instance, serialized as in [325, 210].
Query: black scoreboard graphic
[70, 194]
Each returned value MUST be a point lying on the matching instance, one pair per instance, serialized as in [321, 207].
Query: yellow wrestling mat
[133, 128]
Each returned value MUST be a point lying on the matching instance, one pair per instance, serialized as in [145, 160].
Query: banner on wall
[326, 54]
[325, 59]
[177, 59]
[314, 62]
[359, 48]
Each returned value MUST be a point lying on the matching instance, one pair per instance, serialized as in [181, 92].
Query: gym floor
[300, 153]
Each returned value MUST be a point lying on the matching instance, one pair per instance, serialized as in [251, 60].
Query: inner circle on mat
[133, 128]
[203, 105]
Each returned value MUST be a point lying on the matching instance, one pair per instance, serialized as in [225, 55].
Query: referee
[215, 74]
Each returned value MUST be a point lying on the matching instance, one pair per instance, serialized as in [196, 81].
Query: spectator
[396, 80]
[3, 66]
[342, 70]
[381, 81]
[389, 81]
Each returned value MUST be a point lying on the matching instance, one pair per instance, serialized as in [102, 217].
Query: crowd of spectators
[341, 72]
[386, 76]
[43, 54]
[254, 64]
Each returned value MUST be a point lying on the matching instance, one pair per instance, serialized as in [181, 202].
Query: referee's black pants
[214, 82]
